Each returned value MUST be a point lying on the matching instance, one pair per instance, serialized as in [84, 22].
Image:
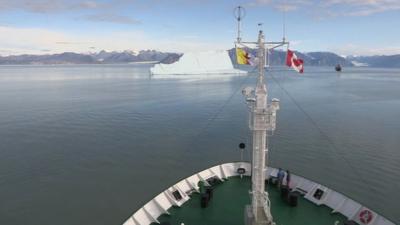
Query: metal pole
[260, 115]
[262, 119]
[239, 14]
[239, 27]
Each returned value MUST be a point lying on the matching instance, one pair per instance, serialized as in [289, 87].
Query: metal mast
[262, 119]
[262, 123]
[259, 128]
[239, 13]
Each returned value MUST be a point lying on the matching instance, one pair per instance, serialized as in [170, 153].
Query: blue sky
[347, 27]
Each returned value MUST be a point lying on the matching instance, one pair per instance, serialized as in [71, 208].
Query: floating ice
[208, 62]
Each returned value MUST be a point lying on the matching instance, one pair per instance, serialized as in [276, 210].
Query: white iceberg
[359, 64]
[208, 62]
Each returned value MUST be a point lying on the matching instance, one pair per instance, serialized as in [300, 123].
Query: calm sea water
[92, 144]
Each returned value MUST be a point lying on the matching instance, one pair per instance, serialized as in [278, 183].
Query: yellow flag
[242, 57]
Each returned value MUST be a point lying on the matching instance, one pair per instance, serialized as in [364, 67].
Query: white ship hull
[338, 202]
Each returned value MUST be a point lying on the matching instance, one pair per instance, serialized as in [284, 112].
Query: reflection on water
[90, 144]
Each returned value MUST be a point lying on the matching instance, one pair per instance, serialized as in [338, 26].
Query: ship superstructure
[222, 193]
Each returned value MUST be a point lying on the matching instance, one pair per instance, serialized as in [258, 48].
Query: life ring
[365, 216]
[241, 171]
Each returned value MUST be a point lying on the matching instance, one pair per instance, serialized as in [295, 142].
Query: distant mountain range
[388, 61]
[276, 58]
[310, 58]
[331, 59]
[102, 57]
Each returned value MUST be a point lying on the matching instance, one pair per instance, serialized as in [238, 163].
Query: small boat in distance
[338, 68]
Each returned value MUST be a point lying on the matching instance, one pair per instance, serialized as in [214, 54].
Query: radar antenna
[239, 13]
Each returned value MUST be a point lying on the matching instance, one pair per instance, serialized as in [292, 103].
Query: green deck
[228, 202]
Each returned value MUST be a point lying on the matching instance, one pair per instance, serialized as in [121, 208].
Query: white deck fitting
[207, 62]
[334, 200]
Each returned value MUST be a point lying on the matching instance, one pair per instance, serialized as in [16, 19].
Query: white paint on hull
[338, 202]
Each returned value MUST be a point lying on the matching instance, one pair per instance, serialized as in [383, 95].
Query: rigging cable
[218, 112]
[319, 129]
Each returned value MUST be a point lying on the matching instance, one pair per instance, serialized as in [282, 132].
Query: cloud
[333, 8]
[284, 6]
[190, 36]
[260, 2]
[70, 43]
[95, 11]
[360, 7]
[296, 42]
[111, 18]
[90, 5]
[354, 49]
[49, 6]
[16, 40]
[36, 6]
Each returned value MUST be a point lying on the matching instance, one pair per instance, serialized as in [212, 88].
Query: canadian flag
[294, 62]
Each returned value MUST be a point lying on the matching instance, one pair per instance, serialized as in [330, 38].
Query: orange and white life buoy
[366, 216]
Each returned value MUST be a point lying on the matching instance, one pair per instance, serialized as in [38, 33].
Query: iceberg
[196, 63]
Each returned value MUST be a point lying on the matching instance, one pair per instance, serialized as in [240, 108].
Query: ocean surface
[90, 144]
